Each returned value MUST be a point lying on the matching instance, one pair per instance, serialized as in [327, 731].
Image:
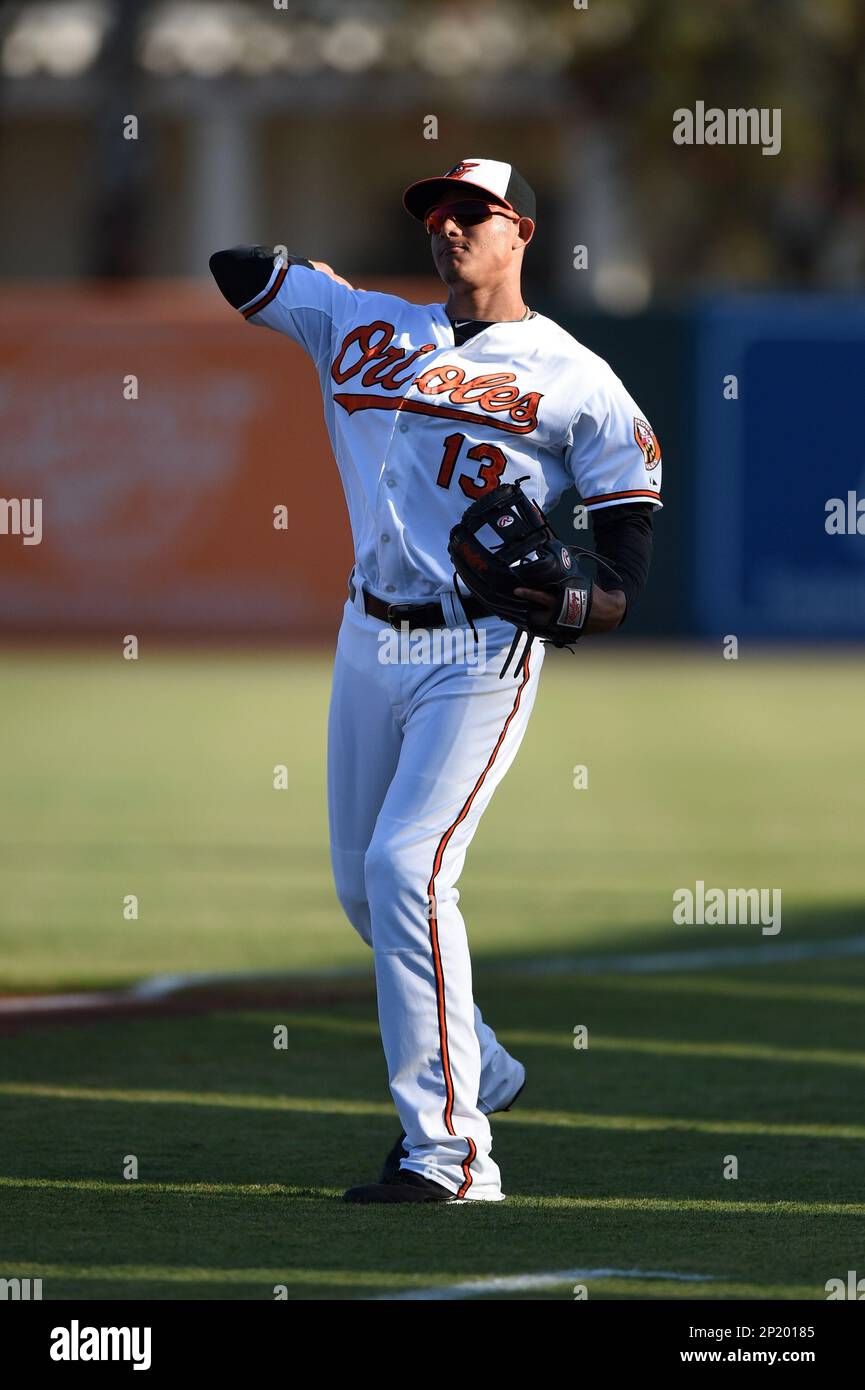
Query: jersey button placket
[386, 503]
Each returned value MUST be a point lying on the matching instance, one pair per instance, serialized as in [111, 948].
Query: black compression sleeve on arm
[243, 271]
[623, 535]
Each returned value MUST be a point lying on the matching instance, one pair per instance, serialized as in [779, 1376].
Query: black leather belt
[417, 614]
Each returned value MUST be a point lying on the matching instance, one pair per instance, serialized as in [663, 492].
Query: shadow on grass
[615, 1156]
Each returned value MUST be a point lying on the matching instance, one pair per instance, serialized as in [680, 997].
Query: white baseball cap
[492, 180]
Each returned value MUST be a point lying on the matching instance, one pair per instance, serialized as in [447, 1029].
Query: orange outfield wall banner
[156, 432]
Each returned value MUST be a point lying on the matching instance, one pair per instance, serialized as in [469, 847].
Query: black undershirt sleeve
[243, 271]
[623, 535]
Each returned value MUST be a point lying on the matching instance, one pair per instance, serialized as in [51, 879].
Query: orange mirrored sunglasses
[467, 214]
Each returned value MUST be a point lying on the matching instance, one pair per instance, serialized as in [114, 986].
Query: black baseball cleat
[405, 1186]
[391, 1167]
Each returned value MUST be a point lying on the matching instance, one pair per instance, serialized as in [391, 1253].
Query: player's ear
[525, 231]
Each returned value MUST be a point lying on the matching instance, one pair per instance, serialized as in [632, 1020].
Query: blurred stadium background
[301, 124]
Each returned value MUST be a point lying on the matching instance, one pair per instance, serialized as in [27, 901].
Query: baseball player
[430, 407]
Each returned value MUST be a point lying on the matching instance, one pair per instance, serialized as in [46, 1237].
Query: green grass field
[155, 778]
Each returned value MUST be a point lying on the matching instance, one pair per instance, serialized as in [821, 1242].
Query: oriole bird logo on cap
[459, 170]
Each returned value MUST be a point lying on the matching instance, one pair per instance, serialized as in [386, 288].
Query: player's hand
[329, 270]
[545, 605]
[608, 608]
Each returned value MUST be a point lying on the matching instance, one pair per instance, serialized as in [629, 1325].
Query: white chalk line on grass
[162, 987]
[155, 988]
[527, 1283]
[45, 1003]
[662, 961]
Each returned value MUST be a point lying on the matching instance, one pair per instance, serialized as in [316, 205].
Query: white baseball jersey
[420, 428]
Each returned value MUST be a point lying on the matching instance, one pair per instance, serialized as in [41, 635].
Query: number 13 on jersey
[491, 462]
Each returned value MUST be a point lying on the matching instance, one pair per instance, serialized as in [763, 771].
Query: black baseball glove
[527, 555]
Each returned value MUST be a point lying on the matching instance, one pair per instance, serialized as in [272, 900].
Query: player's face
[476, 243]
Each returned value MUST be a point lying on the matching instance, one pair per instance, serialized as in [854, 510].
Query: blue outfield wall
[771, 461]
[741, 545]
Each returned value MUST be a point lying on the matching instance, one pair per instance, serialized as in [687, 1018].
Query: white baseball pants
[415, 753]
